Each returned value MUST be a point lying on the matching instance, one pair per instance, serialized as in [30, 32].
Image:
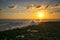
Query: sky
[29, 9]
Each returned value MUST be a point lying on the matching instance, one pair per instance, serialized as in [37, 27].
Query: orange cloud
[47, 8]
[51, 7]
[54, 9]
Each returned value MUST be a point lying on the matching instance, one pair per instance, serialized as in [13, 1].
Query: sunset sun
[41, 15]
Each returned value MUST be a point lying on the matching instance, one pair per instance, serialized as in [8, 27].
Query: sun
[41, 15]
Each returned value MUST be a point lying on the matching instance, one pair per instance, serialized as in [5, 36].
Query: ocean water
[11, 24]
[45, 30]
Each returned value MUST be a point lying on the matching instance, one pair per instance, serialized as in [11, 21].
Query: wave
[6, 25]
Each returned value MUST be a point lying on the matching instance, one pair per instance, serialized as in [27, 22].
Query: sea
[26, 29]
[8, 24]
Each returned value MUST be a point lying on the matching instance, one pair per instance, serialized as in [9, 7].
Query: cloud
[46, 6]
[51, 9]
[0, 9]
[38, 6]
[55, 6]
[56, 10]
[12, 6]
[33, 6]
